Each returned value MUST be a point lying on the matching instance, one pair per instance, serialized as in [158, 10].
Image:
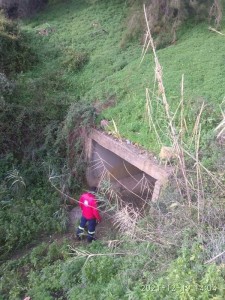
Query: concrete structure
[134, 171]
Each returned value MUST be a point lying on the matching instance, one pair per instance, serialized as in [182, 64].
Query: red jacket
[88, 206]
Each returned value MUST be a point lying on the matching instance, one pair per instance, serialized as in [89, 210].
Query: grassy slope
[115, 71]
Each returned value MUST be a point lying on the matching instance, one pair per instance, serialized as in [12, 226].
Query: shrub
[75, 60]
[46, 283]
[187, 278]
[15, 53]
[6, 86]
[23, 220]
[165, 17]
[18, 8]
[69, 145]
[99, 270]
[71, 273]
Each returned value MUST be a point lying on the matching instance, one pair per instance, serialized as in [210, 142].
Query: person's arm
[81, 202]
[95, 210]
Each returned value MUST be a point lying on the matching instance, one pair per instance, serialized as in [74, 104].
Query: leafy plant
[16, 180]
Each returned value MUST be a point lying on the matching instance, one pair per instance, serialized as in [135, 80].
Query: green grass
[116, 71]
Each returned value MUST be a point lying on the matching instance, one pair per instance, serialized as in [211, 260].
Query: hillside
[64, 70]
[112, 67]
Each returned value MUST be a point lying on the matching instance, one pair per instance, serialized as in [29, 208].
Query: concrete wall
[133, 185]
[117, 166]
[127, 165]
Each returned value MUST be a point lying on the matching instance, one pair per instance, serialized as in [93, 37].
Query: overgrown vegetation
[36, 142]
[19, 56]
[132, 271]
[88, 64]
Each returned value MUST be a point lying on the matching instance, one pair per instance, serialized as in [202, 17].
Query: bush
[75, 61]
[26, 219]
[6, 86]
[165, 17]
[187, 278]
[99, 270]
[18, 8]
[15, 53]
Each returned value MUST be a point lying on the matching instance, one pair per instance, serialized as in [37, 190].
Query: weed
[75, 61]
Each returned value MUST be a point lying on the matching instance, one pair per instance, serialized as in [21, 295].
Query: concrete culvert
[133, 172]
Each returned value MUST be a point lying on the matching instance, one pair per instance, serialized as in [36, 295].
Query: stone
[167, 153]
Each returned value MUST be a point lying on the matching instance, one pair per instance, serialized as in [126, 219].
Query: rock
[104, 123]
[167, 153]
[75, 215]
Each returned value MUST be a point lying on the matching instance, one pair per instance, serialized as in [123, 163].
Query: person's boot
[78, 238]
[90, 239]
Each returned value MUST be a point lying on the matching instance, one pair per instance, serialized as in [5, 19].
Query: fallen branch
[79, 253]
[214, 30]
[214, 258]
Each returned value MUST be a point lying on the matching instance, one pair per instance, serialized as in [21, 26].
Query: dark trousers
[91, 228]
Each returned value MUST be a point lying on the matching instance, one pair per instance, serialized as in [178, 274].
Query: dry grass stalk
[200, 189]
[113, 243]
[111, 201]
[125, 220]
[173, 133]
[150, 119]
[125, 167]
[214, 258]
[197, 122]
[116, 131]
[183, 124]
[218, 183]
[221, 126]
[161, 89]
[194, 181]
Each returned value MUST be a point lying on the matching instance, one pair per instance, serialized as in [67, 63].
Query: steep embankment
[89, 51]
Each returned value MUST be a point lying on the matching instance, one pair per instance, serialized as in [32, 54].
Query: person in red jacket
[90, 214]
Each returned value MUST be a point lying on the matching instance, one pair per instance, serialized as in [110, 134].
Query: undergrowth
[132, 271]
[19, 56]
[28, 208]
